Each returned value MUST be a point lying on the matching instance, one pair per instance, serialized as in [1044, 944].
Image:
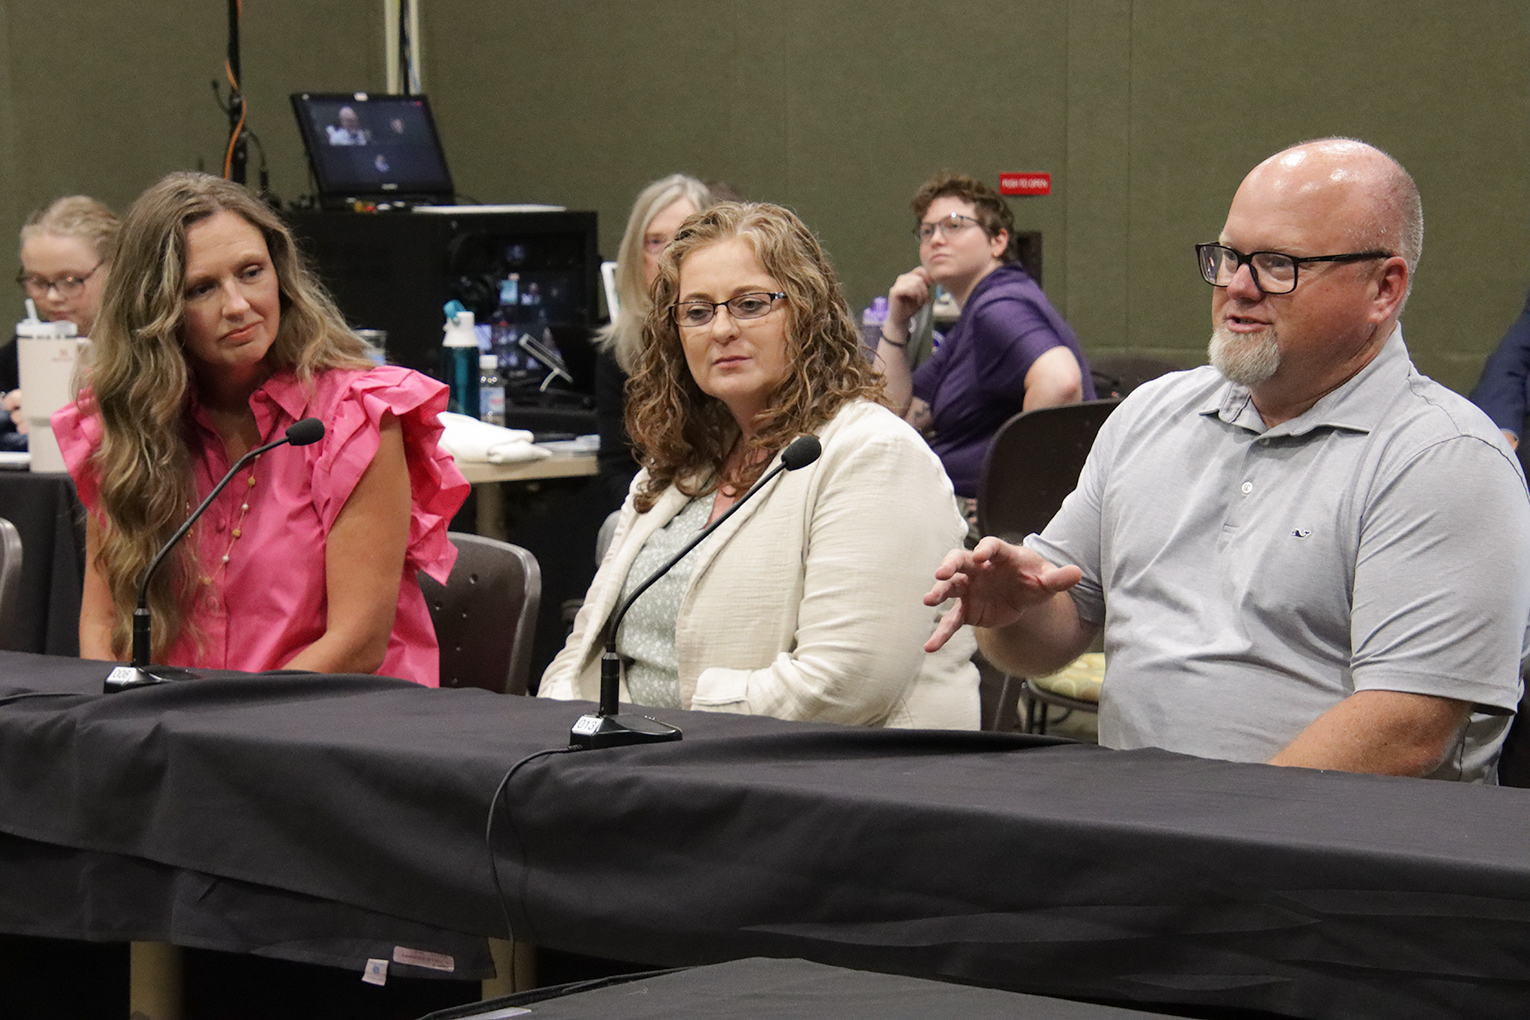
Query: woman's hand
[11, 403]
[910, 292]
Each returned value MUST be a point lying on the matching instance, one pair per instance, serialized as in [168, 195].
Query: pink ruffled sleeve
[353, 427]
[79, 436]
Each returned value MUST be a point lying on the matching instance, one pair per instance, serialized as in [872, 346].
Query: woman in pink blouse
[213, 338]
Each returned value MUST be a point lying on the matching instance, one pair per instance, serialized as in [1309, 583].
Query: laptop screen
[372, 147]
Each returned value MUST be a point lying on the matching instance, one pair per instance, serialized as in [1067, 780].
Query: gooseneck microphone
[608, 728]
[138, 673]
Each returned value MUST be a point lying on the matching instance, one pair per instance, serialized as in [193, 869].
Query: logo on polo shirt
[1301, 533]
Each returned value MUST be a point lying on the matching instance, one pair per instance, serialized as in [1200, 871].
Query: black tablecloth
[44, 509]
[992, 859]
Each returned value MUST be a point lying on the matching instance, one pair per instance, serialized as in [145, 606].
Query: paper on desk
[469, 439]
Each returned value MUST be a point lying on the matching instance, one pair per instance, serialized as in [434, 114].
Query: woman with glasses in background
[797, 606]
[65, 250]
[1009, 352]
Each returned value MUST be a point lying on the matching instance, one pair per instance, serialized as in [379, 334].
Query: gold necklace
[244, 509]
[238, 529]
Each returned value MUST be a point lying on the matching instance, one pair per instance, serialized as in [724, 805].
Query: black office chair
[603, 538]
[486, 614]
[10, 583]
[1033, 463]
[1117, 376]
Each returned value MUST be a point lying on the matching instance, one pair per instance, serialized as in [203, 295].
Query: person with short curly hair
[787, 609]
[1009, 352]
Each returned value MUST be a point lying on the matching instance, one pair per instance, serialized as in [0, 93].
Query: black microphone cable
[488, 841]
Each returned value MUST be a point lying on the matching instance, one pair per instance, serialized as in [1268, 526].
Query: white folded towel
[468, 439]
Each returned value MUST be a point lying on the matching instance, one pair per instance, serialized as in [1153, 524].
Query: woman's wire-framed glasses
[742, 306]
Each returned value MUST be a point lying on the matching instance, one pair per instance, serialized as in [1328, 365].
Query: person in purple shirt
[1009, 352]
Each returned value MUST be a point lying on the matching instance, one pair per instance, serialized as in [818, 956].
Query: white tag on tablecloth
[420, 958]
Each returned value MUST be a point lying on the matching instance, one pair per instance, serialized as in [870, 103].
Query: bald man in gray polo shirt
[1306, 553]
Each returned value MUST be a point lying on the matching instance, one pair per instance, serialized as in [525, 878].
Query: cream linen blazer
[808, 602]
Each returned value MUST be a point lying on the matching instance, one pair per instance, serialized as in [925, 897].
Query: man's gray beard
[1245, 358]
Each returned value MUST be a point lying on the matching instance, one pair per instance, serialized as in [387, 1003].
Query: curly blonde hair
[140, 385]
[684, 436]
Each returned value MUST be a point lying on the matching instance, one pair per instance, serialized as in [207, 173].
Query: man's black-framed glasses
[744, 306]
[1274, 272]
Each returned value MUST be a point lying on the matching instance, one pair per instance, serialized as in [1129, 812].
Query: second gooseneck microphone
[607, 727]
[138, 673]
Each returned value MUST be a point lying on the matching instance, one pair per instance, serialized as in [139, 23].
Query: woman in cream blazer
[807, 602]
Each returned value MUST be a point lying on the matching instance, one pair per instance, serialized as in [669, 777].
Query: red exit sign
[1025, 184]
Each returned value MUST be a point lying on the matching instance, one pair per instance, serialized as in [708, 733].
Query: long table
[333, 818]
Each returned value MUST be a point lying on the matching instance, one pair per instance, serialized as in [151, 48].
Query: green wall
[1147, 114]
[106, 96]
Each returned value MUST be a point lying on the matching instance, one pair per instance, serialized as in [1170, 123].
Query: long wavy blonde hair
[683, 436]
[140, 385]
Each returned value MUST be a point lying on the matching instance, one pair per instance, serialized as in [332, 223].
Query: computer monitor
[372, 148]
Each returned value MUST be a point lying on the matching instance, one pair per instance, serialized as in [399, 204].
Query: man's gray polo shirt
[1251, 578]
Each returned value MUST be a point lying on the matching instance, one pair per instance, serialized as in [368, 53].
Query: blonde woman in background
[65, 253]
[659, 209]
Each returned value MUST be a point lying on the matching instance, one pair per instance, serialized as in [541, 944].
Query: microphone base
[127, 678]
[593, 731]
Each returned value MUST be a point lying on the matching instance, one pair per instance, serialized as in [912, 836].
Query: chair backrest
[485, 614]
[10, 582]
[604, 536]
[1033, 463]
[1117, 376]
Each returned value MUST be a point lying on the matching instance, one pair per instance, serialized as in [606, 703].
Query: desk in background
[337, 817]
[485, 478]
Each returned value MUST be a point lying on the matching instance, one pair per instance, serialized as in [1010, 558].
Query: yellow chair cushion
[1081, 678]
